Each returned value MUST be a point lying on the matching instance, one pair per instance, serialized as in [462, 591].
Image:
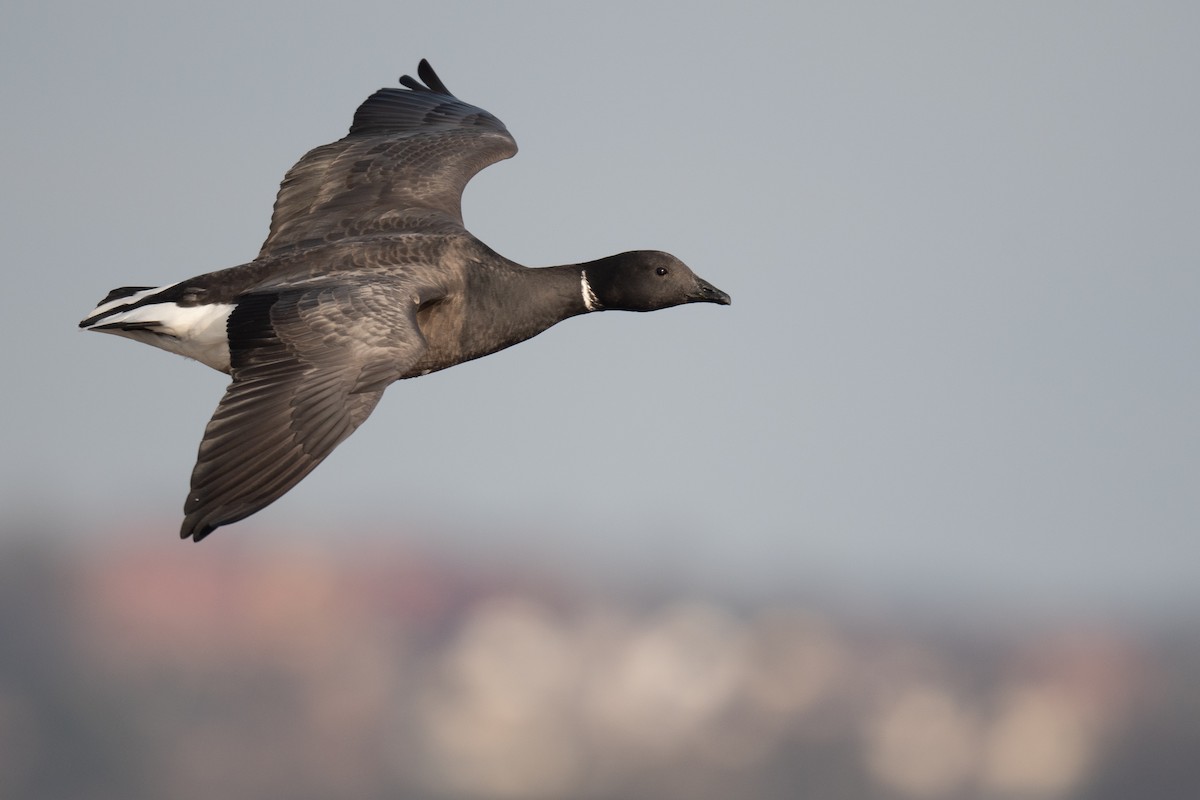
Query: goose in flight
[367, 276]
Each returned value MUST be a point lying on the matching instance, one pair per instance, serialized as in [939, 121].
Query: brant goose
[367, 276]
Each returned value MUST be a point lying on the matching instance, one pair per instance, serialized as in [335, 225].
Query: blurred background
[915, 517]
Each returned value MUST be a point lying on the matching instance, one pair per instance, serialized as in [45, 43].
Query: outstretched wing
[308, 367]
[403, 166]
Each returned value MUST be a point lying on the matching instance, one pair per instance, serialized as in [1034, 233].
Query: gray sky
[961, 241]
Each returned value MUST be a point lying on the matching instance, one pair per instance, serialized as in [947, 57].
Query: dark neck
[547, 295]
[517, 304]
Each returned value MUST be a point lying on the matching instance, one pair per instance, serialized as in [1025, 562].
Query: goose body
[367, 276]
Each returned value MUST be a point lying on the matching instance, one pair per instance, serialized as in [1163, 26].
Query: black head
[647, 280]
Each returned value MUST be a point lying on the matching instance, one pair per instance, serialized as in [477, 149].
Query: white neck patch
[590, 302]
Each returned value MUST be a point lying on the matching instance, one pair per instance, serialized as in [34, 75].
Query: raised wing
[403, 166]
[308, 367]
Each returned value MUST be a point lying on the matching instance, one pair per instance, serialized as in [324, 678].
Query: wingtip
[194, 531]
[429, 80]
[426, 73]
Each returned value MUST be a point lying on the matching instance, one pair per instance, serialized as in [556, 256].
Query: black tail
[124, 291]
[111, 297]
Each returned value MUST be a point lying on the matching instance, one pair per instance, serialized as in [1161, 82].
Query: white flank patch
[590, 302]
[197, 332]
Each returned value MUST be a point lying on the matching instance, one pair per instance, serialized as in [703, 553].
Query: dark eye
[660, 271]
